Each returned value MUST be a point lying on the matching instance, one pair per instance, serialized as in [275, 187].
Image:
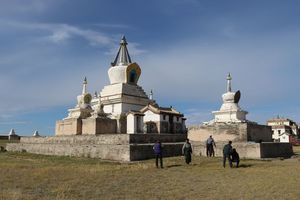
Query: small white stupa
[36, 134]
[230, 111]
[12, 132]
[12, 135]
[83, 108]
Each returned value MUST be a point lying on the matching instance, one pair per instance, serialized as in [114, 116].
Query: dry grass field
[28, 176]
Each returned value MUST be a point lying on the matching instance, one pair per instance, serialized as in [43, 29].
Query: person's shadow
[170, 166]
[245, 165]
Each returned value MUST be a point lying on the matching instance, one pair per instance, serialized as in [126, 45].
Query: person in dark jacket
[187, 151]
[235, 157]
[158, 153]
[227, 150]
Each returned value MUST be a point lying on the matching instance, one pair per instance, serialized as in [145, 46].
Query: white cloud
[59, 36]
[62, 32]
[59, 32]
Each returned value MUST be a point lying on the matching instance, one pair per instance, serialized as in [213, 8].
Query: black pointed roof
[123, 57]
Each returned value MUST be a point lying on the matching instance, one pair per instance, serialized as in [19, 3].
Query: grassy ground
[28, 176]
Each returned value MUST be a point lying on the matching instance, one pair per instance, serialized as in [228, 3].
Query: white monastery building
[283, 129]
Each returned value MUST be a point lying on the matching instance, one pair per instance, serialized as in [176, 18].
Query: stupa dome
[228, 97]
[122, 70]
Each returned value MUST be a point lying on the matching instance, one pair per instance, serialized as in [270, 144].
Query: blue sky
[184, 47]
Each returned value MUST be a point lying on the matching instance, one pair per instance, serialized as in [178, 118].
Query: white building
[283, 129]
[230, 111]
[163, 120]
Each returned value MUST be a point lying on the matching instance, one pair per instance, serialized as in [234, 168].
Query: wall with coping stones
[259, 133]
[236, 132]
[248, 149]
[244, 136]
[276, 149]
[120, 147]
[103, 151]
[152, 138]
[145, 151]
[245, 150]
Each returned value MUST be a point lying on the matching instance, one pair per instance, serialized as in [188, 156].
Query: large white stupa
[230, 111]
[123, 93]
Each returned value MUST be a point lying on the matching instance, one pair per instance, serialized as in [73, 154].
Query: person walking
[158, 153]
[187, 151]
[210, 144]
[227, 150]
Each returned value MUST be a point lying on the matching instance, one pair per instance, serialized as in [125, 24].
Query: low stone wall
[152, 138]
[236, 132]
[245, 150]
[70, 126]
[276, 149]
[78, 139]
[120, 147]
[99, 125]
[220, 132]
[248, 149]
[3, 137]
[259, 133]
[145, 151]
[103, 151]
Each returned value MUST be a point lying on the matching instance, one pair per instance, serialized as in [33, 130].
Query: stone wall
[152, 138]
[103, 151]
[99, 125]
[249, 139]
[259, 133]
[245, 150]
[236, 132]
[220, 132]
[120, 147]
[145, 151]
[276, 149]
[71, 126]
[249, 149]
[3, 137]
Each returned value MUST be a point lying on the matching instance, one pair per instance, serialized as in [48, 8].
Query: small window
[164, 117]
[279, 131]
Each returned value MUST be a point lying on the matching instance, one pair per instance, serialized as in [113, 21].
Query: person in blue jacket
[158, 153]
